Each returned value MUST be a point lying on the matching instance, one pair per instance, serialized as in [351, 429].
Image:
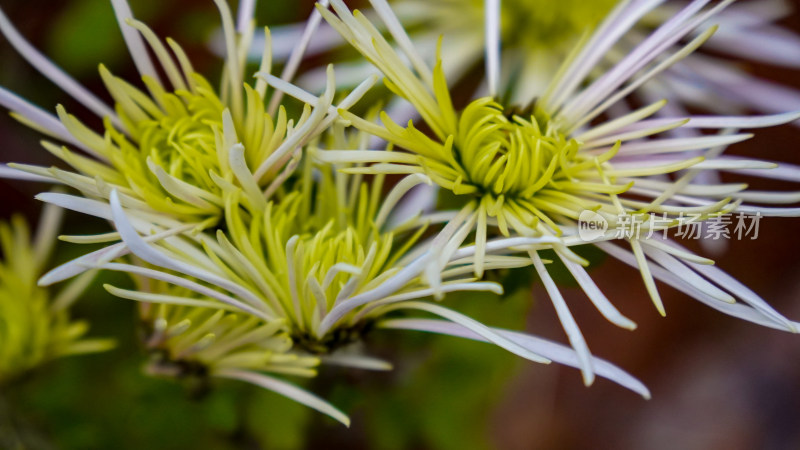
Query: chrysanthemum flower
[34, 322]
[169, 149]
[320, 259]
[532, 173]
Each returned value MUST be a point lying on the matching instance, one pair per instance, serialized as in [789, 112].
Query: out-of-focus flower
[34, 322]
[535, 36]
[170, 150]
[532, 173]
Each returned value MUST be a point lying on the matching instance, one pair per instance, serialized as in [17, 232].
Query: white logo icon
[591, 225]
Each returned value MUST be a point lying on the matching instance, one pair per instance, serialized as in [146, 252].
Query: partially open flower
[200, 339]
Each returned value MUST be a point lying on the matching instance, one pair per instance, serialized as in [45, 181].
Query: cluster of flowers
[263, 244]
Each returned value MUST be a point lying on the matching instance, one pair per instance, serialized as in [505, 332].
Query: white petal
[53, 73]
[287, 390]
[551, 350]
[134, 41]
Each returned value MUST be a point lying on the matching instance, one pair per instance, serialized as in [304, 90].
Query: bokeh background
[716, 382]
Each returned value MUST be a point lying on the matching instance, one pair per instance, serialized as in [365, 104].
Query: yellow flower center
[513, 156]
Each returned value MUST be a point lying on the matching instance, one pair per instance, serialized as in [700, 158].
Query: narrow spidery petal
[551, 350]
[161, 299]
[403, 41]
[647, 277]
[46, 122]
[567, 321]
[398, 192]
[597, 297]
[45, 238]
[664, 37]
[406, 274]
[11, 173]
[298, 51]
[53, 73]
[235, 78]
[492, 33]
[675, 266]
[742, 121]
[134, 41]
[142, 249]
[356, 361]
[287, 390]
[83, 263]
[616, 24]
[738, 310]
[476, 327]
[245, 15]
[230, 302]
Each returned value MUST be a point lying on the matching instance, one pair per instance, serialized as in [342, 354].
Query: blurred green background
[716, 382]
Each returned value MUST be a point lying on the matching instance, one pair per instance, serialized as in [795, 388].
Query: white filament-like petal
[594, 293]
[398, 192]
[134, 41]
[671, 145]
[476, 327]
[665, 36]
[403, 41]
[296, 56]
[550, 350]
[492, 33]
[140, 248]
[47, 123]
[616, 24]
[566, 319]
[188, 284]
[16, 174]
[53, 72]
[675, 266]
[245, 15]
[739, 310]
[387, 288]
[287, 390]
[231, 60]
[356, 361]
[304, 131]
[85, 262]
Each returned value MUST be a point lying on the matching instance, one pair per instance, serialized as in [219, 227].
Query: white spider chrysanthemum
[532, 174]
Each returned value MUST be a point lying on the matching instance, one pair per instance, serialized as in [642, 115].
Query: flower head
[172, 149]
[533, 175]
